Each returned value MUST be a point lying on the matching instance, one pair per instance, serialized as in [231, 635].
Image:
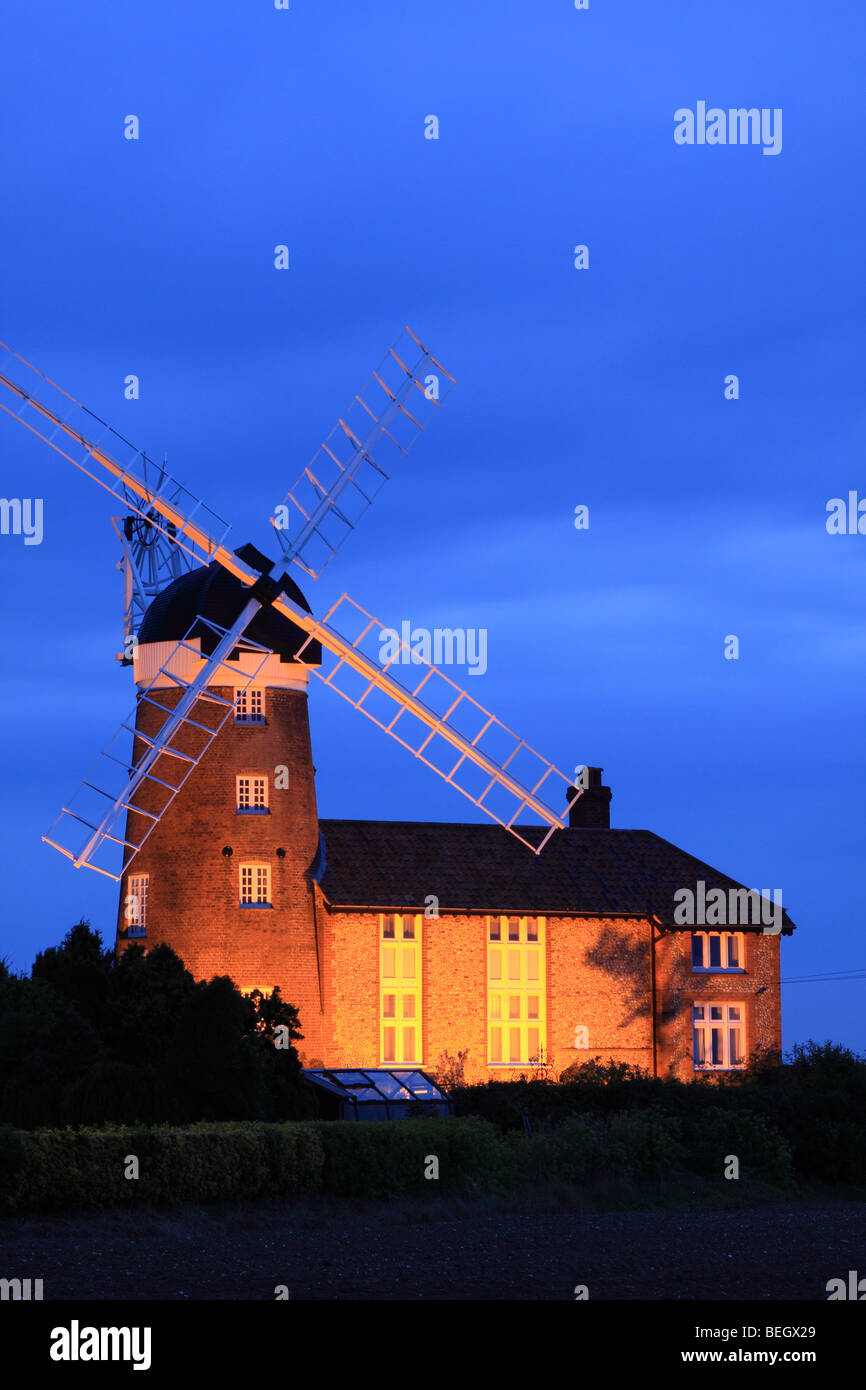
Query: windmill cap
[213, 593]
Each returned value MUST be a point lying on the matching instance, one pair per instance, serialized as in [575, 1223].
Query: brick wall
[677, 988]
[194, 889]
[599, 977]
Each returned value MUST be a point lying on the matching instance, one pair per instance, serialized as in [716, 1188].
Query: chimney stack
[591, 810]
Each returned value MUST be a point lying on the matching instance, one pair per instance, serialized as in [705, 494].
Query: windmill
[169, 533]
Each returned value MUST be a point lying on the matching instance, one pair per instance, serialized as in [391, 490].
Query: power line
[831, 975]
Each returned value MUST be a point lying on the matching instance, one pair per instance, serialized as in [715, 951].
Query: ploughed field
[328, 1248]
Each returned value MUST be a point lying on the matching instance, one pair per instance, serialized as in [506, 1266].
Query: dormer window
[250, 705]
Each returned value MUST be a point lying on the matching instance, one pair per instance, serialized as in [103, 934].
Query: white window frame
[137, 890]
[256, 781]
[705, 1046]
[259, 881]
[725, 940]
[250, 704]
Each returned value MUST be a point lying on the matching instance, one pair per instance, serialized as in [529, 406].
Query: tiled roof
[482, 868]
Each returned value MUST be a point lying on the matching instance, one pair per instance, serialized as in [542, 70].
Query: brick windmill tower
[213, 813]
[225, 875]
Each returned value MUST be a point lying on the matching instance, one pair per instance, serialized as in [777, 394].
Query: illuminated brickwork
[535, 989]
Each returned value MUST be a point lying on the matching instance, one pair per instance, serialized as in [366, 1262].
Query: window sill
[249, 720]
[738, 1066]
[718, 970]
[252, 810]
[254, 905]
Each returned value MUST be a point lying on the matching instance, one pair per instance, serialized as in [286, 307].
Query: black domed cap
[211, 592]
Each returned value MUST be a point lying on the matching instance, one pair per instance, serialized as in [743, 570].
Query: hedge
[63, 1169]
[68, 1169]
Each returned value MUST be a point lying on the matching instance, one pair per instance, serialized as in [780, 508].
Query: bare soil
[327, 1249]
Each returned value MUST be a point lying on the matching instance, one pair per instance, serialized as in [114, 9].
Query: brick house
[400, 942]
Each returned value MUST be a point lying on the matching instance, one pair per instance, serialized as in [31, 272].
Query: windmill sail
[438, 722]
[169, 741]
[360, 454]
[108, 458]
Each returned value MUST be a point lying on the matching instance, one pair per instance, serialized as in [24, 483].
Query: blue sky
[603, 387]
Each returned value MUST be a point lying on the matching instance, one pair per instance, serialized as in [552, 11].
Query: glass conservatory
[376, 1094]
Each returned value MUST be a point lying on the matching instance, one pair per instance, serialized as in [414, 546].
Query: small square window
[495, 929]
[514, 929]
[252, 793]
[408, 928]
[250, 705]
[532, 929]
[532, 1006]
[388, 928]
[389, 1002]
[514, 1006]
[408, 1006]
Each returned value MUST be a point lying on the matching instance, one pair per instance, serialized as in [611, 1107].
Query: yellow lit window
[252, 793]
[400, 989]
[255, 885]
[516, 991]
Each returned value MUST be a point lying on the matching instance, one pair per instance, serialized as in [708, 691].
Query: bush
[389, 1157]
[650, 1140]
[718, 1132]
